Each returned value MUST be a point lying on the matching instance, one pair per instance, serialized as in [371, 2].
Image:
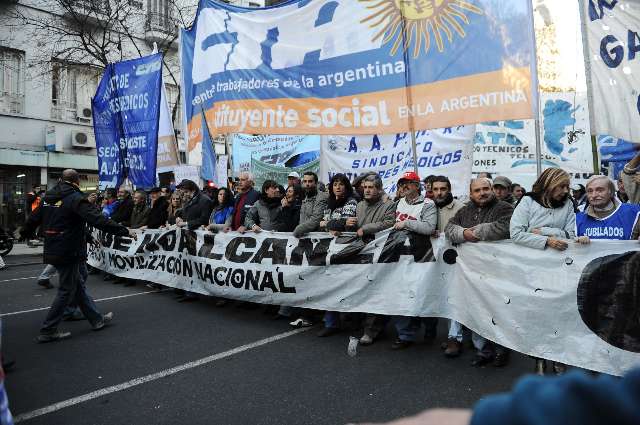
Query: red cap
[410, 176]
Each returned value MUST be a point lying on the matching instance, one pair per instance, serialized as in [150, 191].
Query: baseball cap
[294, 174]
[577, 187]
[502, 181]
[411, 176]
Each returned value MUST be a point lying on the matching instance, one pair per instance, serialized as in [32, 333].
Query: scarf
[446, 201]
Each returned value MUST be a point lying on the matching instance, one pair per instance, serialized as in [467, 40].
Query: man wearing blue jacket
[606, 217]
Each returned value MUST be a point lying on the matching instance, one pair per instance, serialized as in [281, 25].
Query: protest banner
[275, 156]
[188, 172]
[357, 67]
[508, 148]
[209, 160]
[222, 167]
[615, 154]
[126, 110]
[445, 151]
[610, 31]
[544, 303]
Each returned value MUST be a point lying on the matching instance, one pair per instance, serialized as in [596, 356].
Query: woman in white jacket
[543, 218]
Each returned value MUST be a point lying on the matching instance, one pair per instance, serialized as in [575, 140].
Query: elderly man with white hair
[246, 197]
[606, 217]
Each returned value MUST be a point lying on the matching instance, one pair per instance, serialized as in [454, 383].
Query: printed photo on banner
[357, 67]
[445, 151]
[509, 147]
[275, 156]
[126, 111]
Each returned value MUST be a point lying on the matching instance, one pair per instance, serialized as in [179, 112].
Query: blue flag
[126, 111]
[208, 169]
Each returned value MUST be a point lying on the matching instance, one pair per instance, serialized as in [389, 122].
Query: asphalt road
[162, 362]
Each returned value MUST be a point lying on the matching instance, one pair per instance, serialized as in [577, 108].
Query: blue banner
[208, 169]
[126, 111]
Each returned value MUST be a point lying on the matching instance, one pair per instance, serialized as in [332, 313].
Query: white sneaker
[366, 340]
[301, 323]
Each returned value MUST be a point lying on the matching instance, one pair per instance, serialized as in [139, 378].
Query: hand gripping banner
[358, 66]
[580, 307]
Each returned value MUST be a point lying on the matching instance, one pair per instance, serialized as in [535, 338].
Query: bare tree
[94, 33]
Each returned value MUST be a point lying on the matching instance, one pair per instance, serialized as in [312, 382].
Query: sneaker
[56, 336]
[301, 323]
[366, 340]
[325, 332]
[453, 349]
[153, 286]
[106, 319]
[77, 315]
[45, 283]
[401, 344]
[502, 357]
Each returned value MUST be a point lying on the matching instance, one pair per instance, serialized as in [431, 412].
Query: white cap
[294, 174]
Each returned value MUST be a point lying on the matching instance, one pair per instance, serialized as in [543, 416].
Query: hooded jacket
[64, 214]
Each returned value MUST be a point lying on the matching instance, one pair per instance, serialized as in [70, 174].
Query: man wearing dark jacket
[245, 199]
[64, 215]
[197, 209]
[140, 212]
[122, 213]
[158, 213]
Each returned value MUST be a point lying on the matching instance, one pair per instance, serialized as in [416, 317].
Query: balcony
[161, 29]
[89, 11]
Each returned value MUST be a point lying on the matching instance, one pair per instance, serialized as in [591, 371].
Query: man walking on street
[64, 215]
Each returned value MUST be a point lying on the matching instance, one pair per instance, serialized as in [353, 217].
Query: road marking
[18, 278]
[154, 376]
[98, 300]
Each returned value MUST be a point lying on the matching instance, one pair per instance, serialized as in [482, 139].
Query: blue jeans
[48, 272]
[408, 327]
[72, 292]
[5, 414]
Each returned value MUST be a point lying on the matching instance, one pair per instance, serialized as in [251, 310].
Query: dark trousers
[72, 291]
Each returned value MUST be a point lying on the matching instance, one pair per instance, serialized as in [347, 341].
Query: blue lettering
[618, 52]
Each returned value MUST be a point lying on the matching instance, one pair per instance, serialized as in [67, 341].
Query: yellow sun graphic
[407, 22]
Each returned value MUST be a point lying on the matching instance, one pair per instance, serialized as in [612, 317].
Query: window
[72, 88]
[160, 16]
[173, 92]
[11, 81]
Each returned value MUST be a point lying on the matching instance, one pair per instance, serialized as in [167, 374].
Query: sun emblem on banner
[418, 22]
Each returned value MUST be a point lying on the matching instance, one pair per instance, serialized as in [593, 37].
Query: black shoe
[502, 358]
[45, 283]
[222, 303]
[130, 283]
[400, 344]
[324, 332]
[56, 336]
[479, 361]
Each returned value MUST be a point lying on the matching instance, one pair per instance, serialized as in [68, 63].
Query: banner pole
[536, 89]
[584, 31]
[407, 80]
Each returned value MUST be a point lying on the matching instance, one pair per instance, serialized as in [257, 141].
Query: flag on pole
[208, 169]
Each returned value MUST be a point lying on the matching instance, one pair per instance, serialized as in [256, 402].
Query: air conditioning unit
[83, 140]
[83, 114]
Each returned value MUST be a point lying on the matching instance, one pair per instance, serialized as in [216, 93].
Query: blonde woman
[174, 207]
[546, 218]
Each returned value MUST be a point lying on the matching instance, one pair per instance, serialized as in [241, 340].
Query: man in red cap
[414, 213]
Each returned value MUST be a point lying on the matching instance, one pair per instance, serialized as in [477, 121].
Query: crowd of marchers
[552, 215]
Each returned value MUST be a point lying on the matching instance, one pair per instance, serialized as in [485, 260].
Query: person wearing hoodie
[65, 214]
[546, 218]
[341, 206]
[266, 213]
[373, 215]
[417, 215]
